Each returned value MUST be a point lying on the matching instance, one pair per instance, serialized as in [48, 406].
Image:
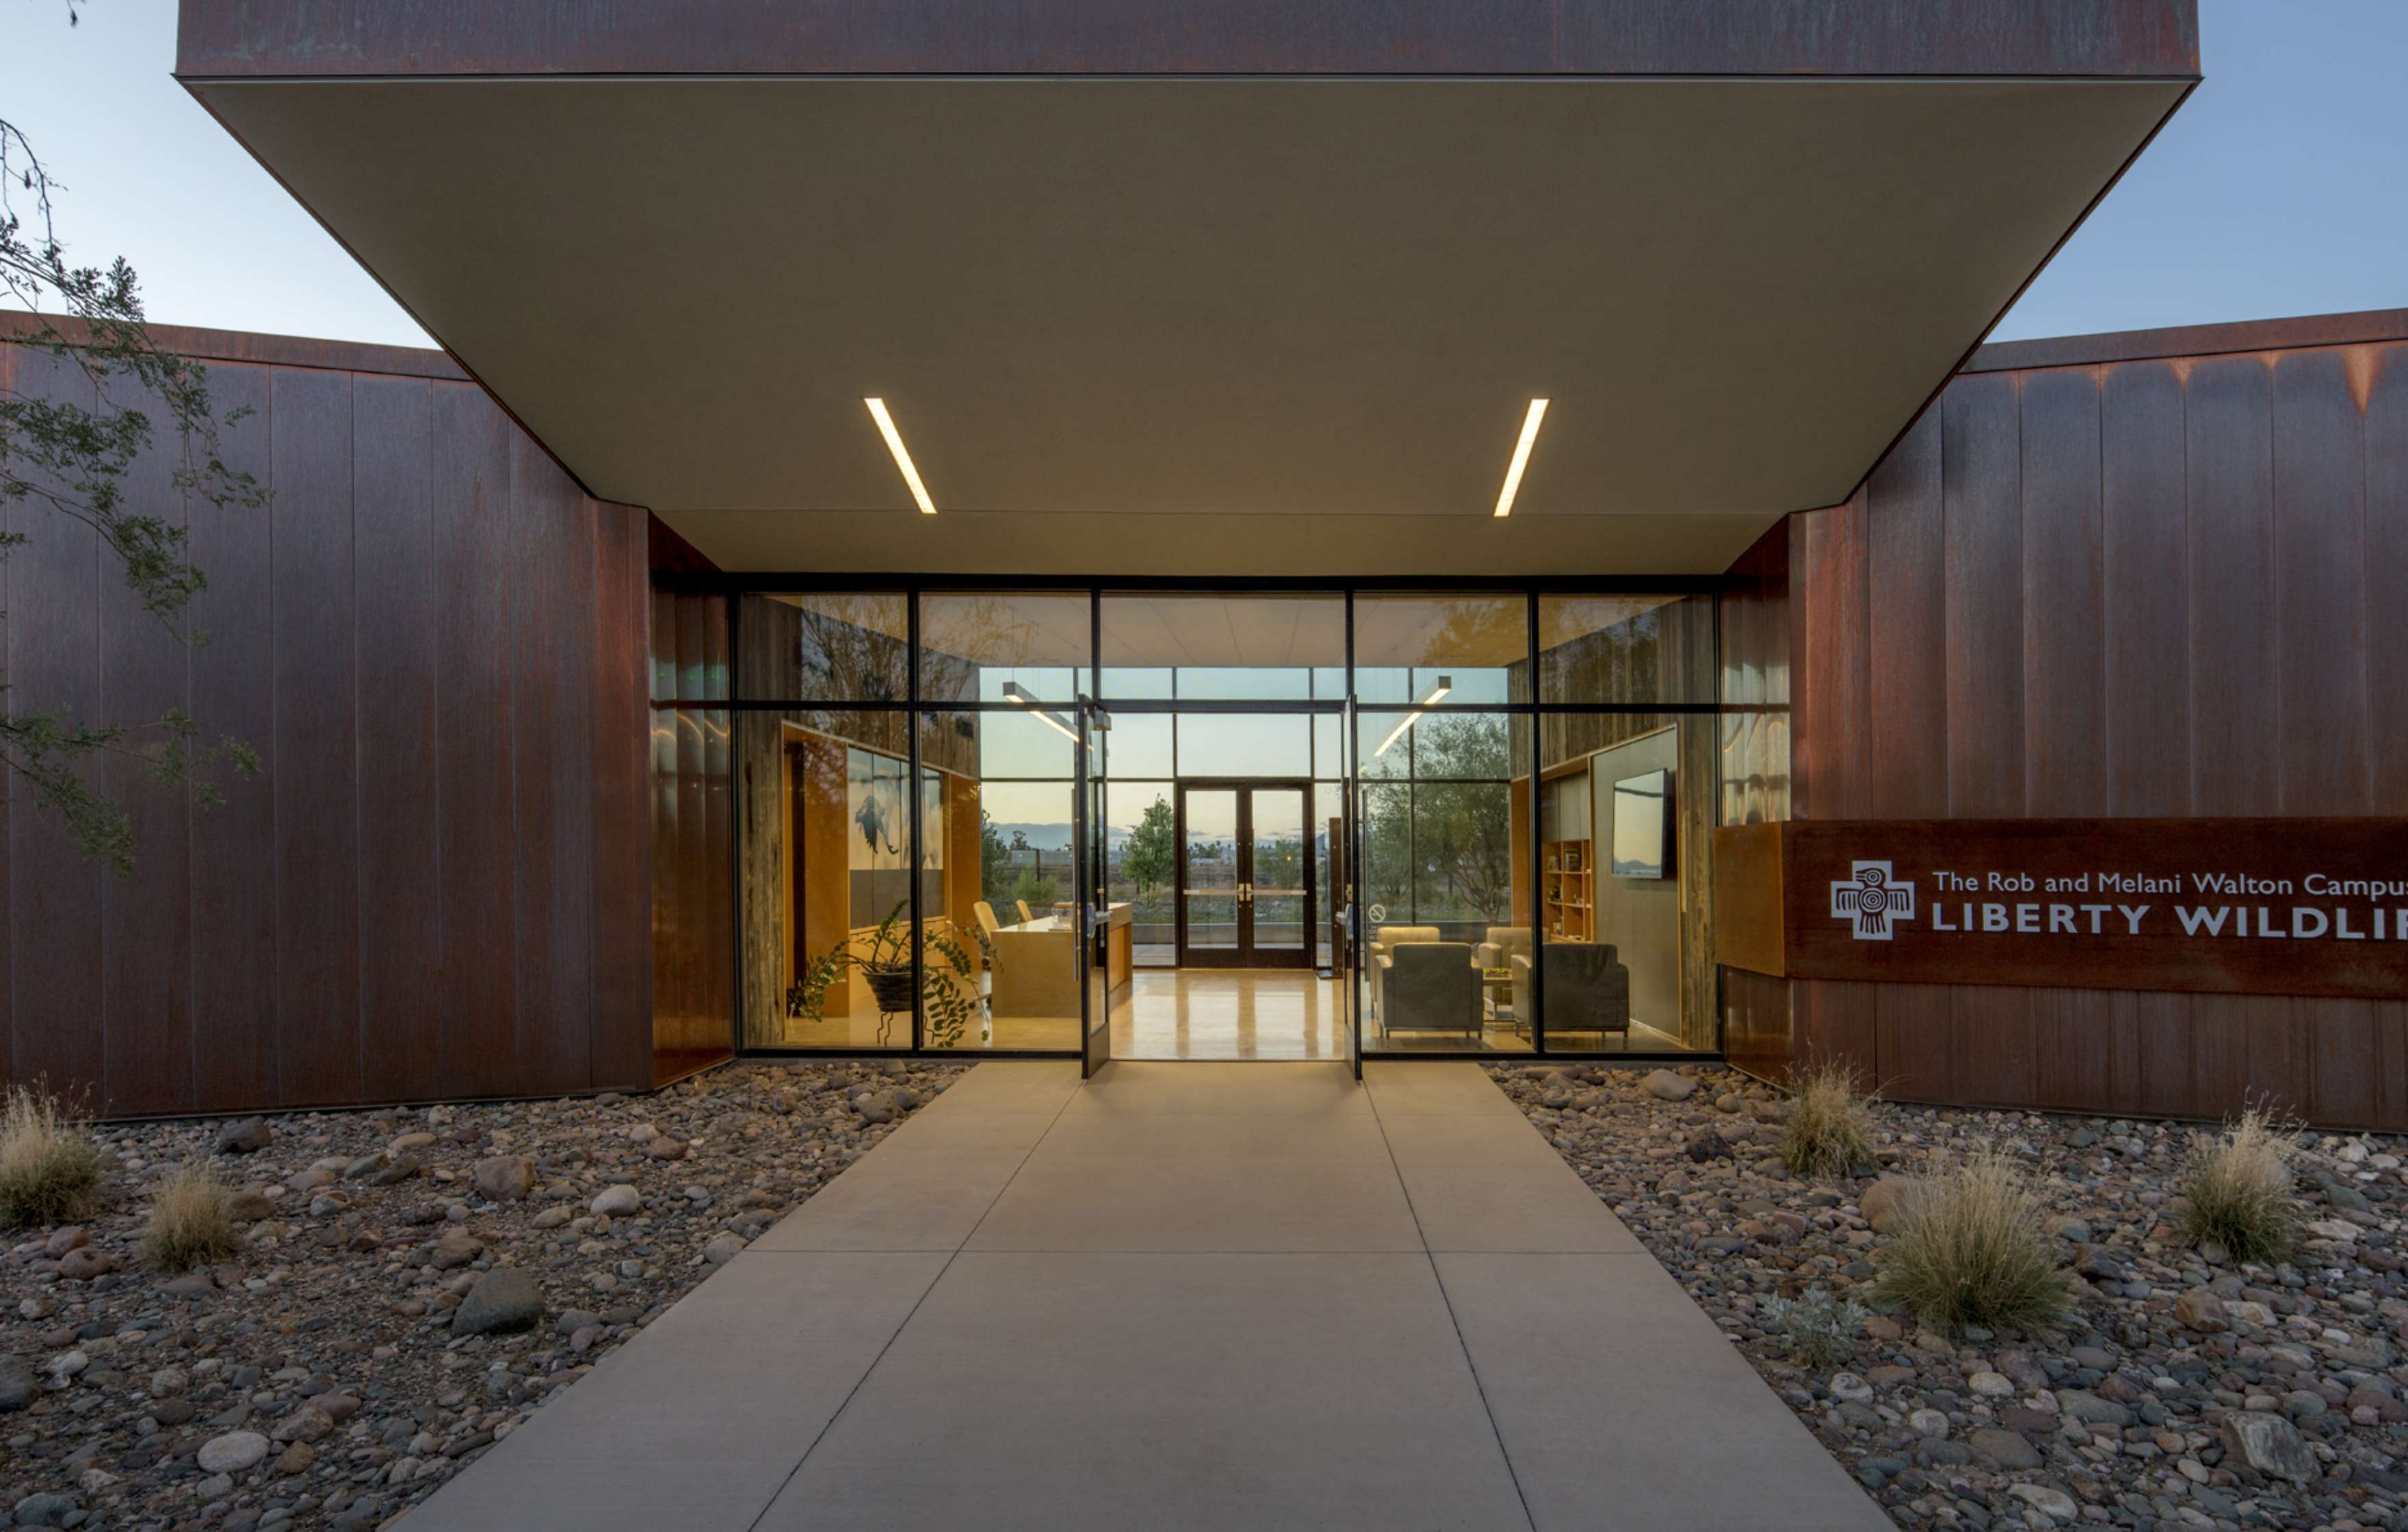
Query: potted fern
[885, 963]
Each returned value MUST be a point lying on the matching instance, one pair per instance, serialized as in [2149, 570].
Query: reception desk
[1037, 964]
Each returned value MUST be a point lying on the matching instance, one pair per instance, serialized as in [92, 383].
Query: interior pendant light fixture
[1011, 693]
[1445, 684]
[903, 458]
[1521, 457]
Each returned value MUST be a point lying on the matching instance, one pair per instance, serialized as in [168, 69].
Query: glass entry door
[1245, 875]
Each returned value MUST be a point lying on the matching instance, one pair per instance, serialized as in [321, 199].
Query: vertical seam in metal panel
[272, 1049]
[359, 836]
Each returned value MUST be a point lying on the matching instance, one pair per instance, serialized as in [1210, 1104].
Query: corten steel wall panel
[552, 742]
[2146, 734]
[622, 836]
[2236, 764]
[54, 661]
[233, 847]
[7, 926]
[316, 742]
[2384, 369]
[1149, 37]
[2175, 559]
[2319, 483]
[400, 789]
[476, 998]
[146, 920]
[2319, 512]
[1906, 765]
[1828, 666]
[2064, 576]
[346, 926]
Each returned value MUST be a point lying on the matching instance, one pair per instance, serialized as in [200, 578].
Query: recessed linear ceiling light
[903, 458]
[1521, 457]
[1445, 684]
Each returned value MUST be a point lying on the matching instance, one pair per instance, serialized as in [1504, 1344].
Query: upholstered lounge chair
[1431, 987]
[1384, 939]
[1588, 989]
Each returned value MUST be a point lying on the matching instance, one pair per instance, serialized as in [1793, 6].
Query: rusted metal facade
[438, 883]
[2122, 576]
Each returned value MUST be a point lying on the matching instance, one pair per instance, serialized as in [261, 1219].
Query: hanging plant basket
[891, 988]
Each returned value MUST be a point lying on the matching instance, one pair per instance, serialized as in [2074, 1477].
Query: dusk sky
[2277, 190]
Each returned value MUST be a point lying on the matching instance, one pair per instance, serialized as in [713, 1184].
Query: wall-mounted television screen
[1642, 825]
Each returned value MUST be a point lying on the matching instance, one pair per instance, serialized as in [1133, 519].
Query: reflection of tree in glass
[1440, 847]
[843, 654]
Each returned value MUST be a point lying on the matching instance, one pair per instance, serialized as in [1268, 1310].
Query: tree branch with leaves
[75, 460]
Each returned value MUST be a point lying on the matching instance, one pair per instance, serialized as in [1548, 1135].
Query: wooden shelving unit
[1569, 873]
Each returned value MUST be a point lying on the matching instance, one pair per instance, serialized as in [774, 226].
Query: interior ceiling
[1204, 325]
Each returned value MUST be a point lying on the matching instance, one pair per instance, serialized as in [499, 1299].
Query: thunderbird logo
[1871, 900]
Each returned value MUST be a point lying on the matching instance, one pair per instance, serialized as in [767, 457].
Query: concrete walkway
[1183, 1296]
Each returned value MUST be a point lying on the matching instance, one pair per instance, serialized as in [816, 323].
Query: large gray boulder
[505, 1299]
[244, 1136]
[2270, 1445]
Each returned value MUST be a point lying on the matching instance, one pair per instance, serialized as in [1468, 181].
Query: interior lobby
[1310, 822]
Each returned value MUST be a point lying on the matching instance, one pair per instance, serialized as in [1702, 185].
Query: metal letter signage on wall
[2314, 907]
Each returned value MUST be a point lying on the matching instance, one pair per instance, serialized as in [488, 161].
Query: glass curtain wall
[1442, 679]
[1626, 808]
[903, 767]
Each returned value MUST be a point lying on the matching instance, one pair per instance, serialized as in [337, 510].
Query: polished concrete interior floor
[1181, 1296]
[1218, 1014]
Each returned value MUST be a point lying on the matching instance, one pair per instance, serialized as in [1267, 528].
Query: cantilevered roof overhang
[1161, 286]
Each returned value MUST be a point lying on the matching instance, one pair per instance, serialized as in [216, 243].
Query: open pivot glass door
[1103, 946]
[1345, 878]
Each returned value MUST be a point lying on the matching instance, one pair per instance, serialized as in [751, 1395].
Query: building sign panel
[2231, 906]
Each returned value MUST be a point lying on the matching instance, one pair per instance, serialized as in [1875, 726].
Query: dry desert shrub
[49, 1167]
[1972, 1251]
[1829, 1131]
[191, 1223]
[2237, 1188]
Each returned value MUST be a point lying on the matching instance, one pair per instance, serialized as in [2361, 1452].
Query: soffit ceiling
[1204, 325]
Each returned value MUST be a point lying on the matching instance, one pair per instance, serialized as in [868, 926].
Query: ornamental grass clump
[1972, 1251]
[191, 1221]
[1829, 1132]
[2237, 1188]
[49, 1167]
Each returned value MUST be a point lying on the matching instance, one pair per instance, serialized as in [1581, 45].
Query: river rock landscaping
[2187, 1391]
[412, 1284]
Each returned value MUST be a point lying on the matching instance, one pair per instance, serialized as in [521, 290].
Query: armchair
[1588, 988]
[1384, 939]
[1503, 943]
[1431, 987]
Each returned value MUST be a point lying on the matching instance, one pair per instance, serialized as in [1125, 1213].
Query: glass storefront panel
[1141, 861]
[1440, 650]
[1214, 647]
[839, 646]
[1001, 888]
[1031, 647]
[1625, 813]
[1461, 862]
[1441, 840]
[1626, 650]
[1245, 745]
[824, 859]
